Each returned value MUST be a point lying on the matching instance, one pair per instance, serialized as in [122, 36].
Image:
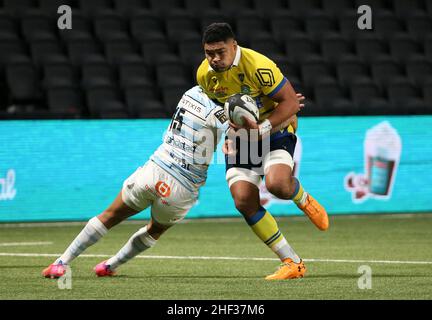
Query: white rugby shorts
[150, 185]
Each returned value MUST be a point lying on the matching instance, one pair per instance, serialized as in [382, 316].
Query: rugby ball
[241, 105]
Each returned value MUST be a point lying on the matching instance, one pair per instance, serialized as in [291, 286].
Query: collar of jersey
[236, 59]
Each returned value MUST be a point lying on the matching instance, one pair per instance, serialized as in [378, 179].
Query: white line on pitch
[8, 254]
[13, 244]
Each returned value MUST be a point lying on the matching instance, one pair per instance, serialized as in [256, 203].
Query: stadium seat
[50, 7]
[155, 49]
[349, 68]
[247, 24]
[266, 44]
[135, 73]
[374, 4]
[334, 46]
[145, 25]
[66, 101]
[191, 51]
[403, 46]
[347, 24]
[104, 101]
[419, 69]
[8, 27]
[208, 17]
[198, 7]
[233, 8]
[94, 7]
[141, 92]
[402, 7]
[326, 92]
[314, 68]
[36, 25]
[377, 106]
[318, 23]
[415, 106]
[427, 92]
[97, 72]
[337, 7]
[312, 108]
[10, 46]
[363, 90]
[117, 48]
[181, 25]
[289, 70]
[384, 69]
[399, 90]
[128, 7]
[171, 96]
[113, 109]
[162, 8]
[150, 109]
[428, 46]
[342, 107]
[298, 46]
[81, 28]
[42, 49]
[171, 74]
[18, 7]
[369, 46]
[284, 24]
[22, 81]
[269, 8]
[142, 102]
[109, 26]
[428, 5]
[419, 25]
[79, 49]
[386, 24]
[303, 7]
[58, 70]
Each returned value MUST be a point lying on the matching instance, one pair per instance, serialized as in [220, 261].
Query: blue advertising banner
[56, 170]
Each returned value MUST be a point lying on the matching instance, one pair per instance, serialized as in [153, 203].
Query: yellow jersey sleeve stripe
[279, 86]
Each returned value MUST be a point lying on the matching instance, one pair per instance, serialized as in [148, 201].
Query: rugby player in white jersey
[168, 183]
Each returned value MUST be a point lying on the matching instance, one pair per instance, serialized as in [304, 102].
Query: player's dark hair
[217, 31]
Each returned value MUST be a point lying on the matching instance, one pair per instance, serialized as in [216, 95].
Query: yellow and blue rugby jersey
[251, 73]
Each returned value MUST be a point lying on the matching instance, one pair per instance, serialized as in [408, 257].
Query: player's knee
[280, 189]
[245, 206]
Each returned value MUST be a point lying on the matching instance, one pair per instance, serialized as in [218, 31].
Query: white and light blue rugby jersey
[191, 138]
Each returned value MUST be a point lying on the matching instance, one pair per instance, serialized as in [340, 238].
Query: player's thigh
[137, 188]
[173, 203]
[279, 163]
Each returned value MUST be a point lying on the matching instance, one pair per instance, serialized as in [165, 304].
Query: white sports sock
[92, 232]
[139, 242]
[284, 251]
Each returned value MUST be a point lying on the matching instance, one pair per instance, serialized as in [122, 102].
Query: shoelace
[283, 264]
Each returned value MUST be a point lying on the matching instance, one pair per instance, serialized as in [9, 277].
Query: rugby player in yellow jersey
[229, 69]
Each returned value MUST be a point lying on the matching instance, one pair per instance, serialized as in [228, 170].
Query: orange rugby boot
[288, 270]
[315, 212]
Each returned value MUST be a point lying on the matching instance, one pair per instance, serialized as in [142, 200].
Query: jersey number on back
[177, 120]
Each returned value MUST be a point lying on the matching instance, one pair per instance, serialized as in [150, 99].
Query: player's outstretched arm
[288, 105]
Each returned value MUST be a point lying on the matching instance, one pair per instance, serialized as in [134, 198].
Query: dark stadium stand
[134, 58]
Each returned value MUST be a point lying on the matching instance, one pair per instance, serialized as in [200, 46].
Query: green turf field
[389, 238]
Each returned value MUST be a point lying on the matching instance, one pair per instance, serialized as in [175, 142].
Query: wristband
[265, 127]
